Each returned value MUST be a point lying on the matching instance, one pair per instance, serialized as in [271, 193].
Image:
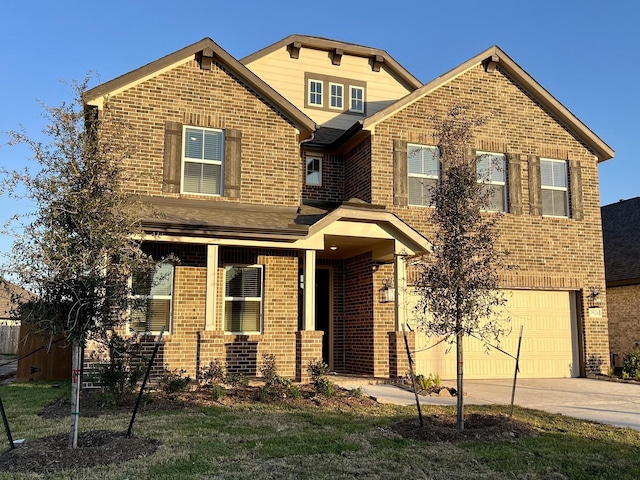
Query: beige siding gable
[287, 76]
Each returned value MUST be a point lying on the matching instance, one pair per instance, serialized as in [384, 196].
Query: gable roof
[277, 101]
[496, 56]
[320, 43]
[621, 236]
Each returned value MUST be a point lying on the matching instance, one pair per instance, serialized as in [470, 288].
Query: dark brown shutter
[232, 162]
[400, 172]
[535, 192]
[172, 157]
[514, 179]
[575, 194]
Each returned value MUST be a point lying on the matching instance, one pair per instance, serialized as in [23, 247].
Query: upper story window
[155, 292]
[423, 167]
[315, 93]
[243, 299]
[335, 99]
[314, 171]
[491, 169]
[202, 160]
[356, 95]
[554, 187]
[336, 96]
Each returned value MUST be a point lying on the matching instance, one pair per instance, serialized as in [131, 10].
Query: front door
[323, 311]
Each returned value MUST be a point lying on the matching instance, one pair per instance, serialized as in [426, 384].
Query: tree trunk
[76, 370]
[460, 398]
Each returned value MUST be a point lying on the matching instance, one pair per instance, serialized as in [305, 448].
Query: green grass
[264, 441]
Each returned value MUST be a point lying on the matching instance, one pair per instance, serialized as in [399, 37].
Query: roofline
[602, 150]
[320, 43]
[297, 117]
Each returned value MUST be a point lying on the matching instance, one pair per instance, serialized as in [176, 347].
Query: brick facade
[624, 321]
[551, 253]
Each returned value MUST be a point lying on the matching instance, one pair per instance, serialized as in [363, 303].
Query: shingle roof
[197, 217]
[621, 234]
[7, 289]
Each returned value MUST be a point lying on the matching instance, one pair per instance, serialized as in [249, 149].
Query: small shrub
[174, 381]
[275, 385]
[322, 385]
[437, 381]
[117, 374]
[237, 380]
[218, 392]
[213, 374]
[424, 383]
[356, 392]
[631, 364]
[625, 375]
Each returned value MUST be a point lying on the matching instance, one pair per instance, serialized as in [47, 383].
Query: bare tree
[80, 248]
[458, 283]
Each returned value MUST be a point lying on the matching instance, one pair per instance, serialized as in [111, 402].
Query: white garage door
[549, 342]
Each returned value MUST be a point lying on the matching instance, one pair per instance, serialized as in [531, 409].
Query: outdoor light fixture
[387, 292]
[594, 297]
[333, 247]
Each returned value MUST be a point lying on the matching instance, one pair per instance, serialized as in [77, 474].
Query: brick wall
[549, 252]
[357, 172]
[332, 187]
[624, 320]
[270, 150]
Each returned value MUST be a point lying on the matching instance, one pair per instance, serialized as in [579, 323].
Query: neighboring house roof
[320, 43]
[7, 290]
[494, 57]
[621, 235]
[277, 101]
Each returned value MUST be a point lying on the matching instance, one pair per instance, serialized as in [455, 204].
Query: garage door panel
[549, 342]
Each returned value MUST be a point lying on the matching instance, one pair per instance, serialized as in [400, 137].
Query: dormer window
[315, 93]
[342, 95]
[335, 96]
[357, 99]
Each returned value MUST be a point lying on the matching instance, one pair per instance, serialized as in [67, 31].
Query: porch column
[400, 283]
[210, 299]
[309, 319]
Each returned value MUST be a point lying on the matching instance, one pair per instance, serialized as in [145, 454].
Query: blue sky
[584, 52]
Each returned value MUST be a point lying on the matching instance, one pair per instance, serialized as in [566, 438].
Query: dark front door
[323, 309]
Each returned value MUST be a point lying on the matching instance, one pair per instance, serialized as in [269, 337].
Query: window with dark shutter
[535, 201]
[232, 162]
[575, 182]
[172, 157]
[400, 172]
[514, 179]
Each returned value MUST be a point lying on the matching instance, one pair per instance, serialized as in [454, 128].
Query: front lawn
[329, 440]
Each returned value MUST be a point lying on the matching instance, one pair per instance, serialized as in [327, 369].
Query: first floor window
[315, 93]
[202, 160]
[423, 173]
[491, 170]
[357, 99]
[152, 300]
[554, 182]
[243, 299]
[314, 171]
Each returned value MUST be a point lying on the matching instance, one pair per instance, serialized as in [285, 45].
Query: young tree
[81, 246]
[458, 282]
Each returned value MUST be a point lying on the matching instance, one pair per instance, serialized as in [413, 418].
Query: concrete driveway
[589, 399]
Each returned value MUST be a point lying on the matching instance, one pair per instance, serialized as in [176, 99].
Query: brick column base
[308, 348]
[398, 361]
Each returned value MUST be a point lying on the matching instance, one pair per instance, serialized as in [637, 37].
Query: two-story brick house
[292, 188]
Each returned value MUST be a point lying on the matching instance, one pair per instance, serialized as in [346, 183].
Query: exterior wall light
[387, 293]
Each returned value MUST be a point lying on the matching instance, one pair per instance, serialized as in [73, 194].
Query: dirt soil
[50, 454]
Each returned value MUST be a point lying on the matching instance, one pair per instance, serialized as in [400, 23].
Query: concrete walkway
[589, 399]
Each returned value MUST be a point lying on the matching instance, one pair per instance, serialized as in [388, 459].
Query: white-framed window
[314, 171]
[315, 93]
[423, 173]
[356, 99]
[202, 160]
[554, 182]
[243, 299]
[336, 96]
[492, 173]
[153, 299]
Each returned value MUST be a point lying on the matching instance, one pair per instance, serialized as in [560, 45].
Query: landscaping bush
[322, 385]
[212, 374]
[275, 385]
[174, 381]
[631, 364]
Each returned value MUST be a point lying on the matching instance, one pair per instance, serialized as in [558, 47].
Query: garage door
[549, 342]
